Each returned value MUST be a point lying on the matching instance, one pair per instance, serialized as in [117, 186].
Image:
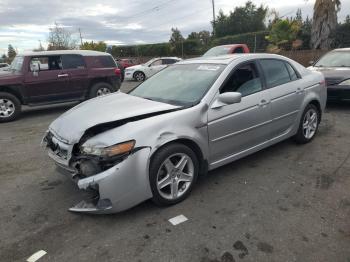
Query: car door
[75, 68]
[287, 94]
[236, 128]
[48, 83]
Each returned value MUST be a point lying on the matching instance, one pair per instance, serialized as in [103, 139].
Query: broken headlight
[118, 149]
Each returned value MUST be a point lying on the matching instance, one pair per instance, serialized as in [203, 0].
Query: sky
[24, 23]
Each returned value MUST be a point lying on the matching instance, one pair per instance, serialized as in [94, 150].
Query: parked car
[127, 62]
[191, 117]
[4, 66]
[38, 78]
[227, 49]
[335, 66]
[146, 70]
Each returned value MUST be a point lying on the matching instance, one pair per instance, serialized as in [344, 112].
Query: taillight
[118, 72]
[323, 82]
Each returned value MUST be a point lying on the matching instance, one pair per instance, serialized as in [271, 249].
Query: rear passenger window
[103, 61]
[168, 61]
[292, 73]
[275, 72]
[73, 62]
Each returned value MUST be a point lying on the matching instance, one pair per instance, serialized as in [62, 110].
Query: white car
[4, 66]
[146, 70]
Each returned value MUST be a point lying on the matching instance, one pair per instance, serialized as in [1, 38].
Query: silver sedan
[194, 116]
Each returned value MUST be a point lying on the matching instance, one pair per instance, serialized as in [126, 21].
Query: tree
[176, 41]
[99, 46]
[3, 58]
[203, 37]
[283, 33]
[244, 19]
[11, 52]
[40, 48]
[61, 39]
[324, 23]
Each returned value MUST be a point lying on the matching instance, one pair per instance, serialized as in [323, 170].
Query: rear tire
[172, 182]
[308, 126]
[100, 89]
[10, 107]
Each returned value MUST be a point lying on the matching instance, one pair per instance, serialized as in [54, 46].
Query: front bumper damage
[116, 189]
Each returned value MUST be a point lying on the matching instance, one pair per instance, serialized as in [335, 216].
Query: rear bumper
[116, 189]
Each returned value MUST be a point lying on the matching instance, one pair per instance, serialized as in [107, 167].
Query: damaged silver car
[192, 117]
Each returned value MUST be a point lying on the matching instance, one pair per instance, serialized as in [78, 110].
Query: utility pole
[81, 39]
[213, 3]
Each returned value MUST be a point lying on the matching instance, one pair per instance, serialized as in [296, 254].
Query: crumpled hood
[71, 125]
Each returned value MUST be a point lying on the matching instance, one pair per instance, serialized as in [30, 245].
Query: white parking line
[36, 256]
[178, 220]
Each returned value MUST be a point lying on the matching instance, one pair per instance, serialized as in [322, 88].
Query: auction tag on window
[208, 67]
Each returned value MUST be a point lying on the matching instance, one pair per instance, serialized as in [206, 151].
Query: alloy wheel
[310, 123]
[140, 76]
[103, 91]
[175, 176]
[7, 108]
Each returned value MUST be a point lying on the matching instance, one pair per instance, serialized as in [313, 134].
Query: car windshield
[216, 51]
[180, 84]
[335, 59]
[17, 63]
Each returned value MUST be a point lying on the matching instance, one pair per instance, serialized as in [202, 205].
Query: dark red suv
[40, 78]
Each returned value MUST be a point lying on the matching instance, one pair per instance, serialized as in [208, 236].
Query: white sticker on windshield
[208, 67]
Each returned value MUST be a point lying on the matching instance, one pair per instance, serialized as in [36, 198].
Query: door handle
[62, 75]
[264, 103]
[299, 91]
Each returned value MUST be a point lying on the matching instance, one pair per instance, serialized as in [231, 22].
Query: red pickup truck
[227, 49]
[40, 78]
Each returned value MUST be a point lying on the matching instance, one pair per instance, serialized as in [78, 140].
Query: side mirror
[311, 62]
[227, 98]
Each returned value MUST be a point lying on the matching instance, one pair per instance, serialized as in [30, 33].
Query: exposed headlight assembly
[118, 149]
[345, 83]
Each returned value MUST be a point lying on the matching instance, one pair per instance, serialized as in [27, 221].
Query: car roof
[227, 59]
[65, 52]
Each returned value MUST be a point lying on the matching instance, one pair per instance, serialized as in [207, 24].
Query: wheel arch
[98, 80]
[203, 163]
[316, 103]
[12, 91]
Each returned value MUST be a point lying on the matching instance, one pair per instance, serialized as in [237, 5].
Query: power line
[152, 9]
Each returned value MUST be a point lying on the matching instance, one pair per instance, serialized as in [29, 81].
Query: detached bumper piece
[92, 206]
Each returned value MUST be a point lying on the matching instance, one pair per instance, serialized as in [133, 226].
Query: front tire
[308, 126]
[173, 173]
[100, 89]
[10, 107]
[139, 76]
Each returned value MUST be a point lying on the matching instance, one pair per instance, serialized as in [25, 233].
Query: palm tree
[324, 23]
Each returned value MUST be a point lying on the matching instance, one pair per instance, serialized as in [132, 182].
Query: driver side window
[245, 80]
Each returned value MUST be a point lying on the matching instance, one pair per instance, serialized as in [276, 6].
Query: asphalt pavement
[285, 203]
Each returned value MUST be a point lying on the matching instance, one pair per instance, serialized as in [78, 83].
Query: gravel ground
[285, 203]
